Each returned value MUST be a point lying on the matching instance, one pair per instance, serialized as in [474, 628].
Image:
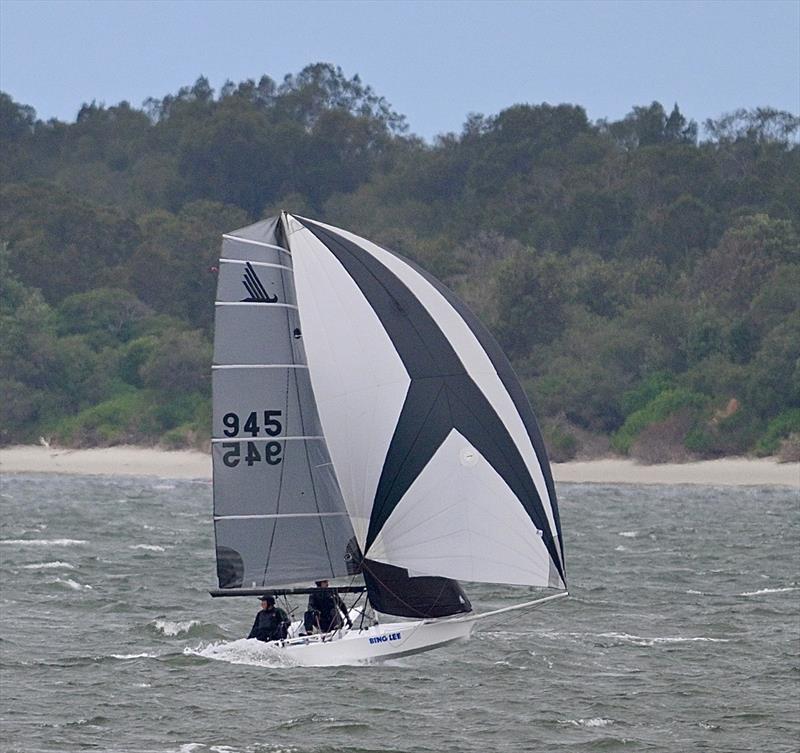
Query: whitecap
[638, 640]
[512, 666]
[134, 656]
[620, 548]
[42, 542]
[593, 722]
[148, 547]
[768, 591]
[74, 585]
[57, 565]
[173, 628]
[628, 534]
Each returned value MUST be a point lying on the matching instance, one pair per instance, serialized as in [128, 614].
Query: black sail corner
[393, 591]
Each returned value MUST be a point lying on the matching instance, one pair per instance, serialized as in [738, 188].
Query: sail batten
[281, 515]
[244, 262]
[259, 366]
[272, 439]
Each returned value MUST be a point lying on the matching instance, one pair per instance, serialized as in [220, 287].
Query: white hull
[374, 644]
[385, 641]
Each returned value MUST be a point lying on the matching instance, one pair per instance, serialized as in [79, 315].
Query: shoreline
[193, 464]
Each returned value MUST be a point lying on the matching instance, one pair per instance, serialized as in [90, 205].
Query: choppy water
[683, 634]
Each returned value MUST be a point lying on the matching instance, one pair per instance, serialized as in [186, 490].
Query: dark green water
[682, 634]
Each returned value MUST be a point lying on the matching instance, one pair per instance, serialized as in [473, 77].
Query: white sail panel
[471, 353]
[359, 380]
[460, 520]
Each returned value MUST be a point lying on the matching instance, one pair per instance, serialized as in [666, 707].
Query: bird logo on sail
[253, 285]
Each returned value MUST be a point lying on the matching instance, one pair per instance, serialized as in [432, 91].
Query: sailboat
[369, 431]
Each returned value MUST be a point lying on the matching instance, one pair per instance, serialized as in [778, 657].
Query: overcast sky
[435, 62]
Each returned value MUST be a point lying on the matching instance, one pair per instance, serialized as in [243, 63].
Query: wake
[243, 651]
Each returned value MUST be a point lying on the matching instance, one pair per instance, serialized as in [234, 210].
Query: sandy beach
[145, 461]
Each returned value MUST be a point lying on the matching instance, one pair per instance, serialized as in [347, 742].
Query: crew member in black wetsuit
[325, 610]
[271, 623]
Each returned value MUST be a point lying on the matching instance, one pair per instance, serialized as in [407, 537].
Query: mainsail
[438, 461]
[279, 517]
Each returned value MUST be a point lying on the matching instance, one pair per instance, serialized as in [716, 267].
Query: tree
[760, 125]
[744, 259]
[531, 290]
[650, 126]
[108, 315]
[180, 363]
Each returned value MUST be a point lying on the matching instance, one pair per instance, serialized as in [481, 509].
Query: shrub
[179, 438]
[561, 443]
[128, 417]
[664, 441]
[646, 391]
[18, 411]
[180, 410]
[789, 451]
[661, 407]
[180, 362]
[109, 315]
[779, 428]
[727, 432]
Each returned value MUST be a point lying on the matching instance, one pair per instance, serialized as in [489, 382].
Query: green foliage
[133, 356]
[646, 391]
[562, 445]
[531, 291]
[774, 377]
[19, 409]
[658, 409]
[780, 427]
[125, 419]
[650, 126]
[195, 430]
[179, 363]
[624, 266]
[107, 315]
[725, 434]
[183, 409]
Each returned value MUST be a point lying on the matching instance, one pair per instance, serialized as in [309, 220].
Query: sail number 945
[271, 453]
[271, 426]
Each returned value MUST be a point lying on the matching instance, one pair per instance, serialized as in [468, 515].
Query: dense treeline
[643, 280]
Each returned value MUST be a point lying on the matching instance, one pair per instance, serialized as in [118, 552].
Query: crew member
[271, 623]
[325, 610]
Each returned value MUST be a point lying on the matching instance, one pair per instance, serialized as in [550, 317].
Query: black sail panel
[393, 591]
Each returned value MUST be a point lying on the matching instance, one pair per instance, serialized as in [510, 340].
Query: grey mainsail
[279, 517]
